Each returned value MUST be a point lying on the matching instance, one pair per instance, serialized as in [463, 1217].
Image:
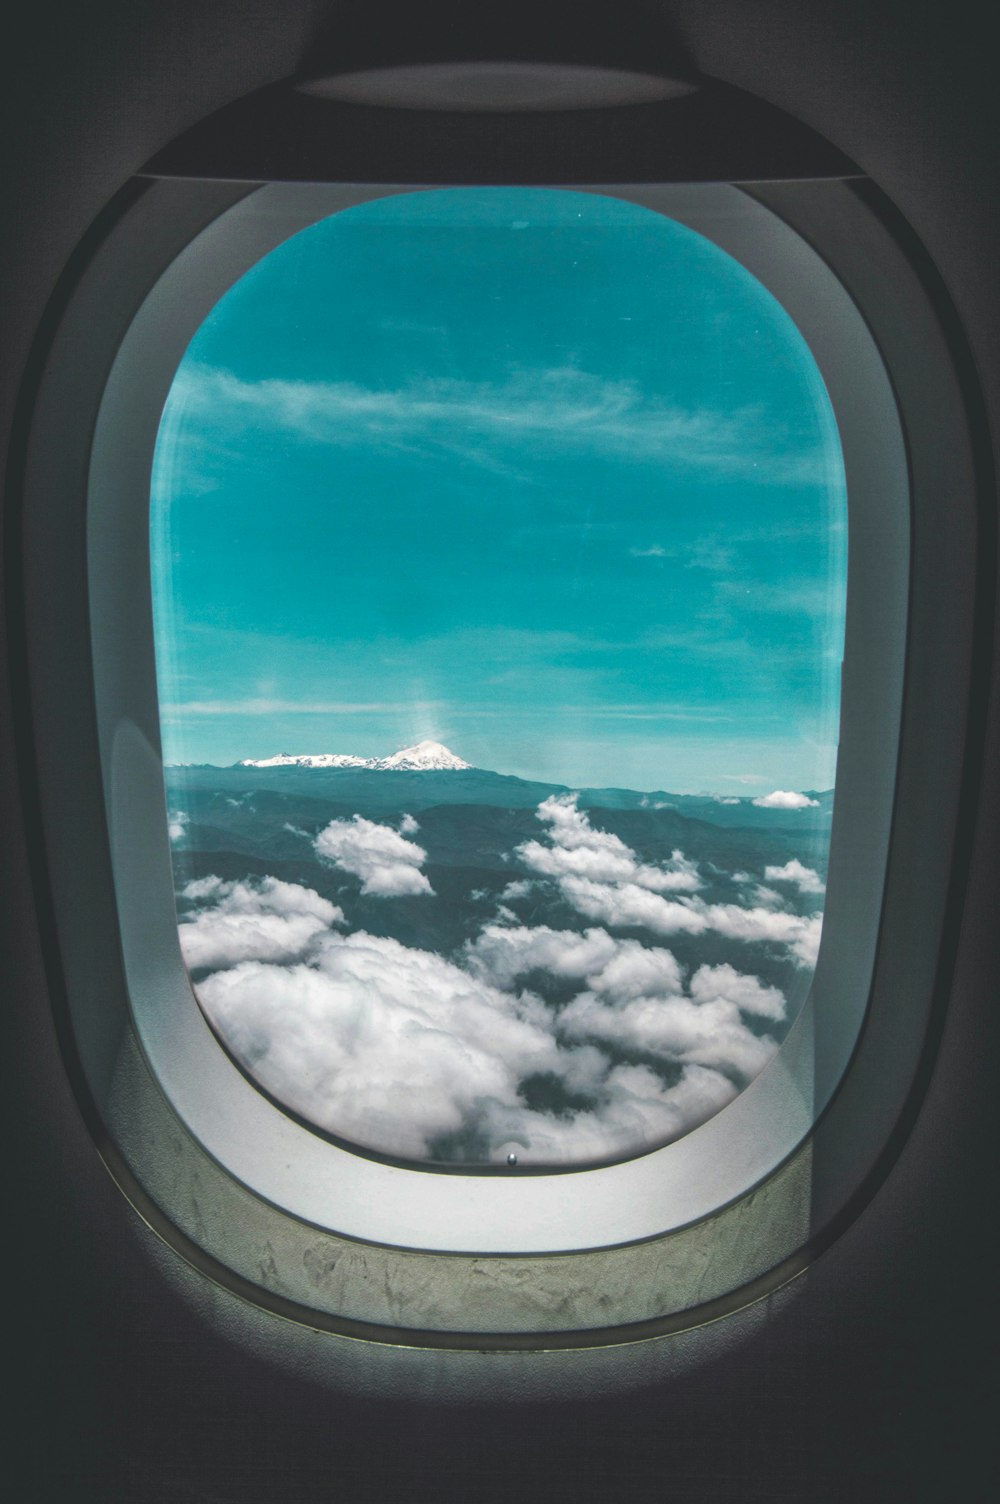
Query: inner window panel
[498, 542]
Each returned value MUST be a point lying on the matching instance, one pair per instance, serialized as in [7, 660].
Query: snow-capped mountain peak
[308, 760]
[424, 757]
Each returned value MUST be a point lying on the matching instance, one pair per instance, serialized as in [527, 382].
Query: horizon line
[582, 788]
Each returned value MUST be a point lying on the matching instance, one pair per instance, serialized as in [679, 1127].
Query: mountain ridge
[376, 792]
[423, 757]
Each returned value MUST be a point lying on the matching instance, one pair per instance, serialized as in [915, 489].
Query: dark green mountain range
[370, 792]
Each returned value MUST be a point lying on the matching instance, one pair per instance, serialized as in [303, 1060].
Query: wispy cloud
[640, 712]
[819, 598]
[296, 707]
[562, 408]
[633, 711]
[711, 555]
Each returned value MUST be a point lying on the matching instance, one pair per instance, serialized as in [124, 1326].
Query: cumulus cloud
[637, 971]
[267, 920]
[408, 825]
[505, 953]
[629, 907]
[675, 1028]
[710, 983]
[617, 968]
[576, 849]
[805, 878]
[786, 799]
[635, 995]
[177, 819]
[652, 1014]
[800, 935]
[635, 1107]
[387, 863]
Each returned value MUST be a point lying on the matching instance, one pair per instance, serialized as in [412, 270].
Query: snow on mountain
[309, 760]
[424, 757]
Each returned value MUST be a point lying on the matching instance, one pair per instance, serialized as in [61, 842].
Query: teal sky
[539, 474]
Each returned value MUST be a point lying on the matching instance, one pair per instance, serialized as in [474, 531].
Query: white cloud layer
[395, 1047]
[387, 863]
[388, 1045]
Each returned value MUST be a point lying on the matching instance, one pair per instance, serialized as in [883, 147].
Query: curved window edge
[333, 1187]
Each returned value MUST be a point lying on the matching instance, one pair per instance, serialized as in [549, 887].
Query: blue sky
[539, 474]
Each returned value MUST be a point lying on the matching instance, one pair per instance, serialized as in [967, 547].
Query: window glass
[498, 547]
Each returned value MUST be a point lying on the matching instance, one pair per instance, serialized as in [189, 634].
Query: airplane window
[518, 516]
[493, 607]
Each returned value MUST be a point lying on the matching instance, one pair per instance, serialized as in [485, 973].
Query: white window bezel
[280, 1158]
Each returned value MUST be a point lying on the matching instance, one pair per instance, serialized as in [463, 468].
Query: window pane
[518, 517]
